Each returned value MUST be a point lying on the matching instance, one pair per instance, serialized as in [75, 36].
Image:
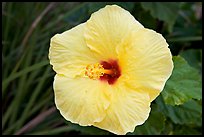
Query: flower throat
[104, 71]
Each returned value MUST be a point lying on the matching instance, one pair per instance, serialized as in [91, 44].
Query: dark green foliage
[27, 78]
[183, 85]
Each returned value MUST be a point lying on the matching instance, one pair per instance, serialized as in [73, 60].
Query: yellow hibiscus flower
[109, 69]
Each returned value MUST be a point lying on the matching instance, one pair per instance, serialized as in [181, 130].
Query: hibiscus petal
[128, 109]
[107, 28]
[68, 52]
[81, 100]
[146, 62]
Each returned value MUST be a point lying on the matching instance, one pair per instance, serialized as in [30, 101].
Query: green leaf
[168, 127]
[165, 11]
[55, 131]
[193, 57]
[154, 124]
[190, 113]
[183, 85]
[185, 39]
[186, 130]
[176, 129]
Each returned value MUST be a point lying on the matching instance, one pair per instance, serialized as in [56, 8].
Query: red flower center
[114, 67]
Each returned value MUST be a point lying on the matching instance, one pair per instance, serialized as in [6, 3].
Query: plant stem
[36, 121]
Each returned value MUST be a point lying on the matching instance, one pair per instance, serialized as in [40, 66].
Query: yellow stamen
[94, 71]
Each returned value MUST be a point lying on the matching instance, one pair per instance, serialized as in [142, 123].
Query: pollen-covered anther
[95, 71]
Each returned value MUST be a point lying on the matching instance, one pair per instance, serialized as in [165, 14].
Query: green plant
[27, 94]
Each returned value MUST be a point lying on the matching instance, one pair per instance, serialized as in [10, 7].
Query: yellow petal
[146, 62]
[80, 100]
[68, 52]
[128, 109]
[107, 28]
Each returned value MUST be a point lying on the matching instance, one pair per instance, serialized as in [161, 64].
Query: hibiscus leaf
[168, 127]
[165, 11]
[156, 118]
[190, 113]
[186, 130]
[193, 57]
[176, 129]
[183, 85]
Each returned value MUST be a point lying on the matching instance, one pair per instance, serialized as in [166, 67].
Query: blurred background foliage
[27, 94]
